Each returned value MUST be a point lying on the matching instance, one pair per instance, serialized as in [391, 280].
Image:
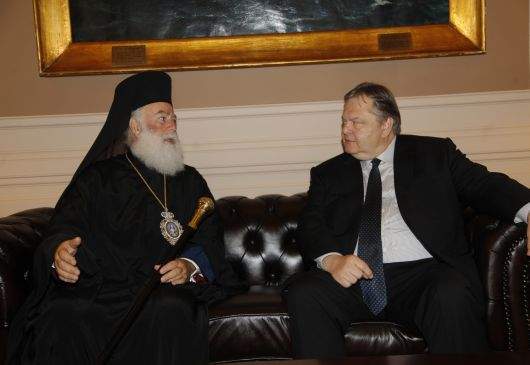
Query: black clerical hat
[142, 89]
[132, 93]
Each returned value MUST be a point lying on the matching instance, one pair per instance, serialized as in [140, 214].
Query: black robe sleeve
[70, 220]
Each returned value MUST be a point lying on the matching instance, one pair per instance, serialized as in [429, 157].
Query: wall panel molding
[253, 150]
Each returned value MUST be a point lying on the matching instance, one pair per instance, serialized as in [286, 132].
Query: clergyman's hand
[64, 260]
[176, 271]
[346, 270]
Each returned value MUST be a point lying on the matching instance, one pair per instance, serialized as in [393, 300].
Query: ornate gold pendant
[171, 228]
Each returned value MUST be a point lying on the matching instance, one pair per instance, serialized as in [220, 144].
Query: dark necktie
[370, 247]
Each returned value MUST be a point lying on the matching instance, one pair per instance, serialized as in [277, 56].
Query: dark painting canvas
[113, 20]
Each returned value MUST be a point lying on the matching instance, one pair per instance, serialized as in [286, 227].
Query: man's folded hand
[346, 270]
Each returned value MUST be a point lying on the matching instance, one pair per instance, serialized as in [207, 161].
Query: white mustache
[171, 135]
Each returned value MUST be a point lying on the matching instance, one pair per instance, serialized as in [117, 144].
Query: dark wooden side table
[493, 358]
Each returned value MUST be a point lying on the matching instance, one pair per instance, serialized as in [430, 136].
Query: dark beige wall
[504, 67]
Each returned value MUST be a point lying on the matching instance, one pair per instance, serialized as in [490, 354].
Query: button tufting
[253, 242]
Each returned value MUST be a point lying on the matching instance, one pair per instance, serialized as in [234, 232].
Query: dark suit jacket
[433, 182]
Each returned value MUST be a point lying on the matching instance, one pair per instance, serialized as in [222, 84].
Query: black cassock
[118, 220]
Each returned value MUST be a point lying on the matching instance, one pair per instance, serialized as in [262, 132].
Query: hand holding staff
[204, 206]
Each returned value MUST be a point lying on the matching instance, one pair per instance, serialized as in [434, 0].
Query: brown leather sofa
[261, 244]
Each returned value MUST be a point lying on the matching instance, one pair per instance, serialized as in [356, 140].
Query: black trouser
[428, 295]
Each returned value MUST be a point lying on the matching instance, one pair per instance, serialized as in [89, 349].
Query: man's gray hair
[136, 114]
[385, 105]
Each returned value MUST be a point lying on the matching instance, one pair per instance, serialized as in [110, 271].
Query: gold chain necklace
[148, 187]
[171, 228]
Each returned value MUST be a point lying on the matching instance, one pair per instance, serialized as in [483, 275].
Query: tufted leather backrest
[259, 236]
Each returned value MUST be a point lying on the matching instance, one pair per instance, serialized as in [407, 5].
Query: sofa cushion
[250, 326]
[382, 338]
[254, 326]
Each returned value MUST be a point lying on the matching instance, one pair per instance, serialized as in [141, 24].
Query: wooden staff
[204, 206]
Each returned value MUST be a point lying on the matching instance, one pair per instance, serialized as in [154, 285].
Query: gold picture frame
[59, 55]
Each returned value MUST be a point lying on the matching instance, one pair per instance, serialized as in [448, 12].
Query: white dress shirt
[399, 243]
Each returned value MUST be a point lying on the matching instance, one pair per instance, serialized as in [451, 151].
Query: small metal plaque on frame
[128, 56]
[394, 41]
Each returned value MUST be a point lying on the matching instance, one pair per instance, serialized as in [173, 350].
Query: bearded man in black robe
[106, 238]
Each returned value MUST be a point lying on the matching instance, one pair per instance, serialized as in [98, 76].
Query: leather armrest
[20, 234]
[504, 268]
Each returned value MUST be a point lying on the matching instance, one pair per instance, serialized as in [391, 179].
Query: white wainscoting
[254, 150]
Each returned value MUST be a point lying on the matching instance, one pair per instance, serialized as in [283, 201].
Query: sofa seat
[254, 326]
[250, 326]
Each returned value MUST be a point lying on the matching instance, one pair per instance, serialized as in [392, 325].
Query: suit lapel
[404, 161]
[353, 175]
[352, 204]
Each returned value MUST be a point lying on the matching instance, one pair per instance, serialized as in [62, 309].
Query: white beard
[150, 148]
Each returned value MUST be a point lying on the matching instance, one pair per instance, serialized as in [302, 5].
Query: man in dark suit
[384, 226]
